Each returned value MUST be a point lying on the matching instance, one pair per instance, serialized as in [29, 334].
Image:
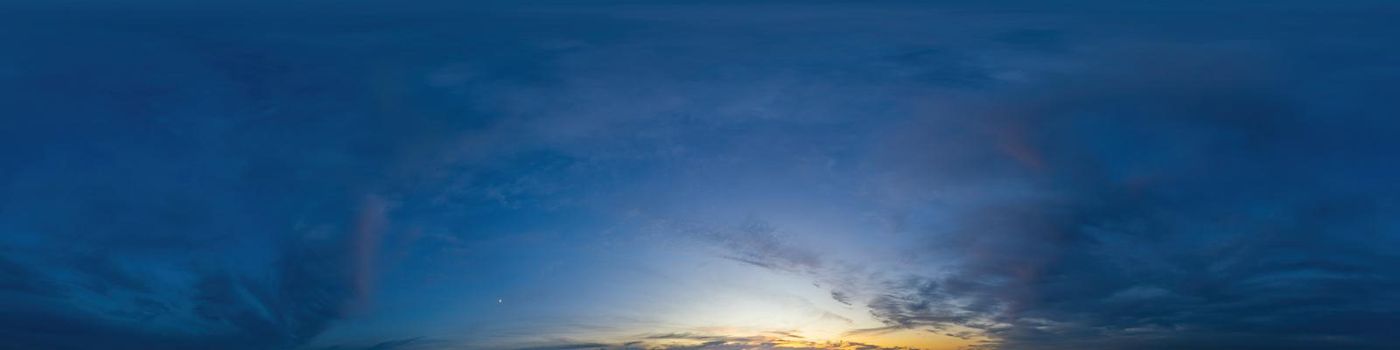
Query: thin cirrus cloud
[713, 176]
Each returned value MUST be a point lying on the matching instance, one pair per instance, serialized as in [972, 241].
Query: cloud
[218, 220]
[414, 343]
[688, 341]
[569, 346]
[756, 242]
[20, 278]
[1164, 200]
[309, 288]
[396, 344]
[841, 297]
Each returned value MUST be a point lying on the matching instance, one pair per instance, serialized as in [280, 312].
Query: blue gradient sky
[699, 175]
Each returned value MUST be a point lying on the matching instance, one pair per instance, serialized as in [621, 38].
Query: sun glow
[723, 337]
[748, 307]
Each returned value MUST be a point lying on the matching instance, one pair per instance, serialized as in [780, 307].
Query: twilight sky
[432, 175]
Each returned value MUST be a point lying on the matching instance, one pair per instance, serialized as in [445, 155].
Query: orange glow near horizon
[896, 339]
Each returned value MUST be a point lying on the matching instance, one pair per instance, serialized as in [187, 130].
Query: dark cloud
[395, 344]
[840, 297]
[312, 285]
[107, 274]
[1170, 197]
[309, 289]
[20, 278]
[399, 344]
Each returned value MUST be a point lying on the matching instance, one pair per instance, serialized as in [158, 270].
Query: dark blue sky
[699, 175]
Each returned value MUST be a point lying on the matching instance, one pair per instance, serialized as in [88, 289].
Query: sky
[432, 175]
